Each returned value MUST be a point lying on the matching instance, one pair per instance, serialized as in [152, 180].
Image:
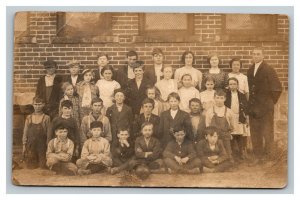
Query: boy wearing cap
[180, 156]
[95, 154]
[136, 88]
[73, 77]
[120, 115]
[95, 115]
[49, 89]
[154, 73]
[59, 152]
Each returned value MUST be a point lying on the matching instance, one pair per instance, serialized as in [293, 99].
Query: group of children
[169, 127]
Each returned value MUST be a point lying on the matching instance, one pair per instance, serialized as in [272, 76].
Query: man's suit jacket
[154, 119]
[243, 105]
[141, 148]
[264, 88]
[68, 79]
[119, 120]
[135, 95]
[167, 124]
[150, 74]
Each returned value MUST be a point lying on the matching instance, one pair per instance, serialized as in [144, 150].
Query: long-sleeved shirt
[85, 127]
[185, 149]
[120, 152]
[56, 146]
[141, 147]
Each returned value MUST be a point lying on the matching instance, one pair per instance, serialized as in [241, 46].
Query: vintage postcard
[129, 99]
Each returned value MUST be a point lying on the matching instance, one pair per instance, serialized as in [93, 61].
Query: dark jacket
[141, 148]
[154, 119]
[186, 149]
[118, 119]
[203, 151]
[264, 90]
[243, 105]
[68, 79]
[167, 124]
[121, 76]
[150, 74]
[122, 153]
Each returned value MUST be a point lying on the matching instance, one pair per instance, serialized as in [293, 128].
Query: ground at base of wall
[268, 175]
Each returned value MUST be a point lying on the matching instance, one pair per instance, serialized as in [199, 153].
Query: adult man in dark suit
[265, 89]
[154, 72]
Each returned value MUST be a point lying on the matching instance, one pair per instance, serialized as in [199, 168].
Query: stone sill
[167, 39]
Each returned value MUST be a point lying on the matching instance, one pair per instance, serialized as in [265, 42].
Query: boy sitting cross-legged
[95, 154]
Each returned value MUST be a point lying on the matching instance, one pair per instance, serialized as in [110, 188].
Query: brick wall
[29, 56]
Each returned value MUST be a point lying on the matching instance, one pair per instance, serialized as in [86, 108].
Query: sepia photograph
[150, 99]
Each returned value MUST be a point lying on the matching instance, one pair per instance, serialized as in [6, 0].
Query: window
[21, 27]
[249, 26]
[166, 27]
[83, 27]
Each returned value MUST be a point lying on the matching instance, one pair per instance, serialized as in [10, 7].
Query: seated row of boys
[119, 116]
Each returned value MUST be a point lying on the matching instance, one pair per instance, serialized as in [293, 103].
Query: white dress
[186, 94]
[166, 87]
[106, 90]
[243, 82]
[195, 73]
[207, 99]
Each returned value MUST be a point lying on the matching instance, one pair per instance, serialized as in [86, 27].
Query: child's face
[174, 103]
[195, 107]
[233, 85]
[186, 81]
[219, 100]
[123, 135]
[119, 97]
[151, 93]
[147, 131]
[88, 77]
[66, 111]
[61, 133]
[74, 70]
[138, 72]
[179, 136]
[168, 72]
[209, 85]
[50, 70]
[188, 59]
[148, 107]
[38, 107]
[102, 61]
[212, 139]
[214, 61]
[158, 59]
[96, 132]
[131, 60]
[97, 107]
[69, 90]
[107, 74]
[236, 65]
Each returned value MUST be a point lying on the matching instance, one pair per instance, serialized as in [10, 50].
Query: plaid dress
[76, 108]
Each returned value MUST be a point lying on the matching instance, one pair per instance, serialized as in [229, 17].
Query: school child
[60, 150]
[167, 85]
[207, 97]
[180, 155]
[197, 119]
[122, 152]
[49, 89]
[70, 123]
[35, 136]
[147, 153]
[136, 87]
[212, 153]
[172, 118]
[119, 114]
[236, 65]
[153, 93]
[223, 118]
[187, 92]
[87, 90]
[74, 77]
[95, 115]
[237, 102]
[147, 116]
[70, 94]
[107, 86]
[95, 154]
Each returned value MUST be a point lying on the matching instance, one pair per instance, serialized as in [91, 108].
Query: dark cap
[50, 63]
